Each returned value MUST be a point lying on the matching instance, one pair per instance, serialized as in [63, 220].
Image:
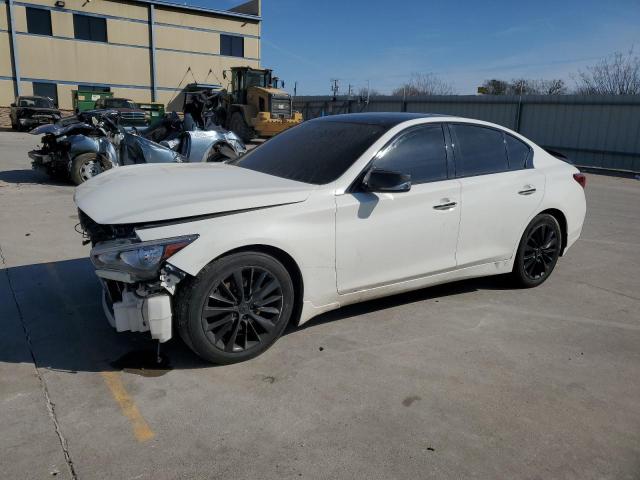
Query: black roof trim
[386, 119]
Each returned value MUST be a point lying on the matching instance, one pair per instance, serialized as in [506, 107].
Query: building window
[86, 27]
[232, 46]
[49, 90]
[38, 21]
[93, 88]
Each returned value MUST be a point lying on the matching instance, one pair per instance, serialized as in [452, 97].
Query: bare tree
[421, 84]
[552, 87]
[618, 74]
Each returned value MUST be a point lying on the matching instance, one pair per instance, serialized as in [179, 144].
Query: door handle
[527, 190]
[447, 205]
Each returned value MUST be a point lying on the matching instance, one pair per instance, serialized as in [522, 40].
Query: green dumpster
[154, 111]
[86, 100]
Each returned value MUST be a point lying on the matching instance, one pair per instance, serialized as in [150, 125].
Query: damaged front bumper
[138, 282]
[136, 314]
[136, 306]
[39, 158]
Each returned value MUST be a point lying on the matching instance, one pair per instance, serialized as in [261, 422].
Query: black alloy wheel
[242, 309]
[538, 252]
[235, 308]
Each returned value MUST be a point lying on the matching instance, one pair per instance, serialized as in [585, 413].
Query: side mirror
[378, 180]
[13, 104]
[224, 74]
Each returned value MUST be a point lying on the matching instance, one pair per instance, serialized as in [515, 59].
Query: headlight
[141, 259]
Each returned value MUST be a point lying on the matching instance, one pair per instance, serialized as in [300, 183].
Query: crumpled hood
[158, 192]
[58, 130]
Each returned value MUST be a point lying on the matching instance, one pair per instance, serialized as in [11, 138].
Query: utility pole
[335, 87]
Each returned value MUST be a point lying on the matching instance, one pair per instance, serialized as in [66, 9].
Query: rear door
[500, 191]
[384, 238]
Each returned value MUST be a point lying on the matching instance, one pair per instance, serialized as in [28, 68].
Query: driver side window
[420, 151]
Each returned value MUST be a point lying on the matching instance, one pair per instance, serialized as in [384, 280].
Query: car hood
[160, 192]
[58, 130]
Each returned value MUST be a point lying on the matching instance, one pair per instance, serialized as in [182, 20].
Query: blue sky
[464, 42]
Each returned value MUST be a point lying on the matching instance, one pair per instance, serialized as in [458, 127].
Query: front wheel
[238, 126]
[538, 251]
[84, 167]
[236, 308]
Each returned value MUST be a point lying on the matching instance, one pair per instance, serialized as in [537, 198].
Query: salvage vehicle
[29, 112]
[130, 112]
[335, 211]
[80, 150]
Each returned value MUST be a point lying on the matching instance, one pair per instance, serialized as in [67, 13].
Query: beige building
[145, 50]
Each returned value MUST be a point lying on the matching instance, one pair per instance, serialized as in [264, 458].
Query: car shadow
[34, 177]
[52, 314]
[499, 282]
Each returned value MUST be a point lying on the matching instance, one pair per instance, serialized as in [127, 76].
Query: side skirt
[487, 269]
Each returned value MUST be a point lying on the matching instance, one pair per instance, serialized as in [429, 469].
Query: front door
[383, 238]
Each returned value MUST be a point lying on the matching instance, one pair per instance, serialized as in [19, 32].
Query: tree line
[618, 74]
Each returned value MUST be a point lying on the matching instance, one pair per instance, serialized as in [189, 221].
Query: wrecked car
[79, 150]
[229, 255]
[29, 112]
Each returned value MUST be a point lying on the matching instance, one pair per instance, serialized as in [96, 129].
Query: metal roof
[193, 8]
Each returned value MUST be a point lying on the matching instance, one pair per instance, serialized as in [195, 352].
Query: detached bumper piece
[38, 159]
[137, 314]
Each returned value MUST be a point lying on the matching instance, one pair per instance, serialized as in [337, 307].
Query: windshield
[316, 152]
[119, 103]
[255, 79]
[35, 102]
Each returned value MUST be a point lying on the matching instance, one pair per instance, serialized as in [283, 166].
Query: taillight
[581, 179]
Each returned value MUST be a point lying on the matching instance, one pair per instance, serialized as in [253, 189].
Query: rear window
[316, 152]
[518, 151]
[478, 150]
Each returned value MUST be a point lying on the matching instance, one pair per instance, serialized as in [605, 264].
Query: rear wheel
[538, 251]
[238, 126]
[236, 308]
[84, 167]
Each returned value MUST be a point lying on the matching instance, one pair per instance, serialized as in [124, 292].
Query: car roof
[385, 119]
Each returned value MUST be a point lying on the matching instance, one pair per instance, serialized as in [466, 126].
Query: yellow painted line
[141, 429]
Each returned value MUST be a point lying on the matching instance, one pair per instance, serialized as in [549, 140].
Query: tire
[85, 167]
[221, 153]
[217, 325]
[238, 126]
[538, 251]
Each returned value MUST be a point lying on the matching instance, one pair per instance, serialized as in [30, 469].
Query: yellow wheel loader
[255, 106]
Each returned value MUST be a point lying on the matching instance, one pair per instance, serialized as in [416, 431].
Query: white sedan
[335, 211]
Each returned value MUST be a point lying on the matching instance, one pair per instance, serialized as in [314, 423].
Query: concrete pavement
[469, 380]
